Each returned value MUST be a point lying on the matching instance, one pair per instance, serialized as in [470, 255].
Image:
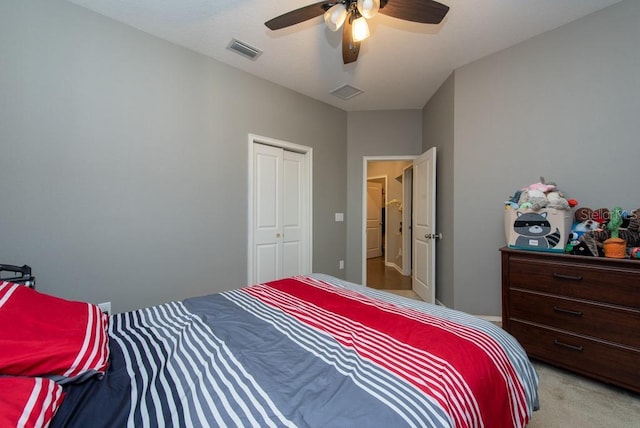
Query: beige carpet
[569, 400]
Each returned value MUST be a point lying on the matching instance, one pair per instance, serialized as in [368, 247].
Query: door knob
[433, 236]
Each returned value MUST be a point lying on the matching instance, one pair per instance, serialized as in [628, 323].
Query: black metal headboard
[17, 274]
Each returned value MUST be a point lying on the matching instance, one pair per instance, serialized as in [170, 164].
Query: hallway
[385, 277]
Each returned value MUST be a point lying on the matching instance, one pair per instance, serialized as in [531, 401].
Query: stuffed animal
[594, 240]
[616, 221]
[634, 220]
[542, 186]
[581, 249]
[512, 202]
[542, 194]
[536, 198]
[557, 201]
[601, 215]
[577, 231]
[586, 226]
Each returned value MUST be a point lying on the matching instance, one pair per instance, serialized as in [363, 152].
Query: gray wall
[373, 133]
[563, 105]
[123, 166]
[437, 131]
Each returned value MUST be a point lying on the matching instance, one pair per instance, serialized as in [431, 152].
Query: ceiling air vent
[346, 92]
[244, 49]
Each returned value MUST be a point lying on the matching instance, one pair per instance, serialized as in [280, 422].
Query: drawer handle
[567, 311]
[563, 276]
[566, 345]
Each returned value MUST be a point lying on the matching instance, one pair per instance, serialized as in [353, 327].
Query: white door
[280, 203]
[407, 213]
[424, 223]
[374, 219]
[294, 250]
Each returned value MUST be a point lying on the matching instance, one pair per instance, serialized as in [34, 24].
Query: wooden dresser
[579, 313]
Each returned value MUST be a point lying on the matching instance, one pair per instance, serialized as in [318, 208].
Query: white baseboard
[395, 266]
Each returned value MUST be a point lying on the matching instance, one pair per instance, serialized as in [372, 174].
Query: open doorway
[387, 245]
[422, 207]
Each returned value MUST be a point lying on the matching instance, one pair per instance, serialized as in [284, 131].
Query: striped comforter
[306, 351]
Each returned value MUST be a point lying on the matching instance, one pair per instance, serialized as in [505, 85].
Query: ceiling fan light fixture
[337, 12]
[360, 29]
[335, 16]
[368, 8]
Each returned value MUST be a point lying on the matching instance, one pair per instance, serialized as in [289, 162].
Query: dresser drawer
[602, 361]
[617, 286]
[606, 322]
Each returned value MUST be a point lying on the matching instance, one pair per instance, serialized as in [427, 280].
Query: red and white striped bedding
[42, 335]
[466, 371]
[306, 351]
[28, 402]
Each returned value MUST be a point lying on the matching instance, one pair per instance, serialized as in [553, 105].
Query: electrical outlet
[341, 264]
[105, 307]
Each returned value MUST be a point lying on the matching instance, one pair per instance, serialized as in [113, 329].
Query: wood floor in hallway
[385, 277]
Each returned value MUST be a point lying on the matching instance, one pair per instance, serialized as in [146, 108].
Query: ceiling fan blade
[423, 11]
[350, 49]
[299, 15]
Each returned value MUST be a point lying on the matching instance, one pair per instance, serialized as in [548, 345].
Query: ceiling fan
[352, 16]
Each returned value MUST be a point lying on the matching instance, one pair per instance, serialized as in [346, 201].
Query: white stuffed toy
[557, 201]
[534, 199]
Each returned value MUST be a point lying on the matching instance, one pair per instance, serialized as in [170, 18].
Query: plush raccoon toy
[534, 230]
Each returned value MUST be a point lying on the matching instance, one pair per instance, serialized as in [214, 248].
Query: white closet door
[280, 213]
[294, 213]
[267, 212]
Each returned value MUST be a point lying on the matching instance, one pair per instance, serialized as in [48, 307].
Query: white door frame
[308, 159]
[365, 164]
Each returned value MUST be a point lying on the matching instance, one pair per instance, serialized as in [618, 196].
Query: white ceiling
[400, 66]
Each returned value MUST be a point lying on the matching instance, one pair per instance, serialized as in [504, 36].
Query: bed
[305, 351]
